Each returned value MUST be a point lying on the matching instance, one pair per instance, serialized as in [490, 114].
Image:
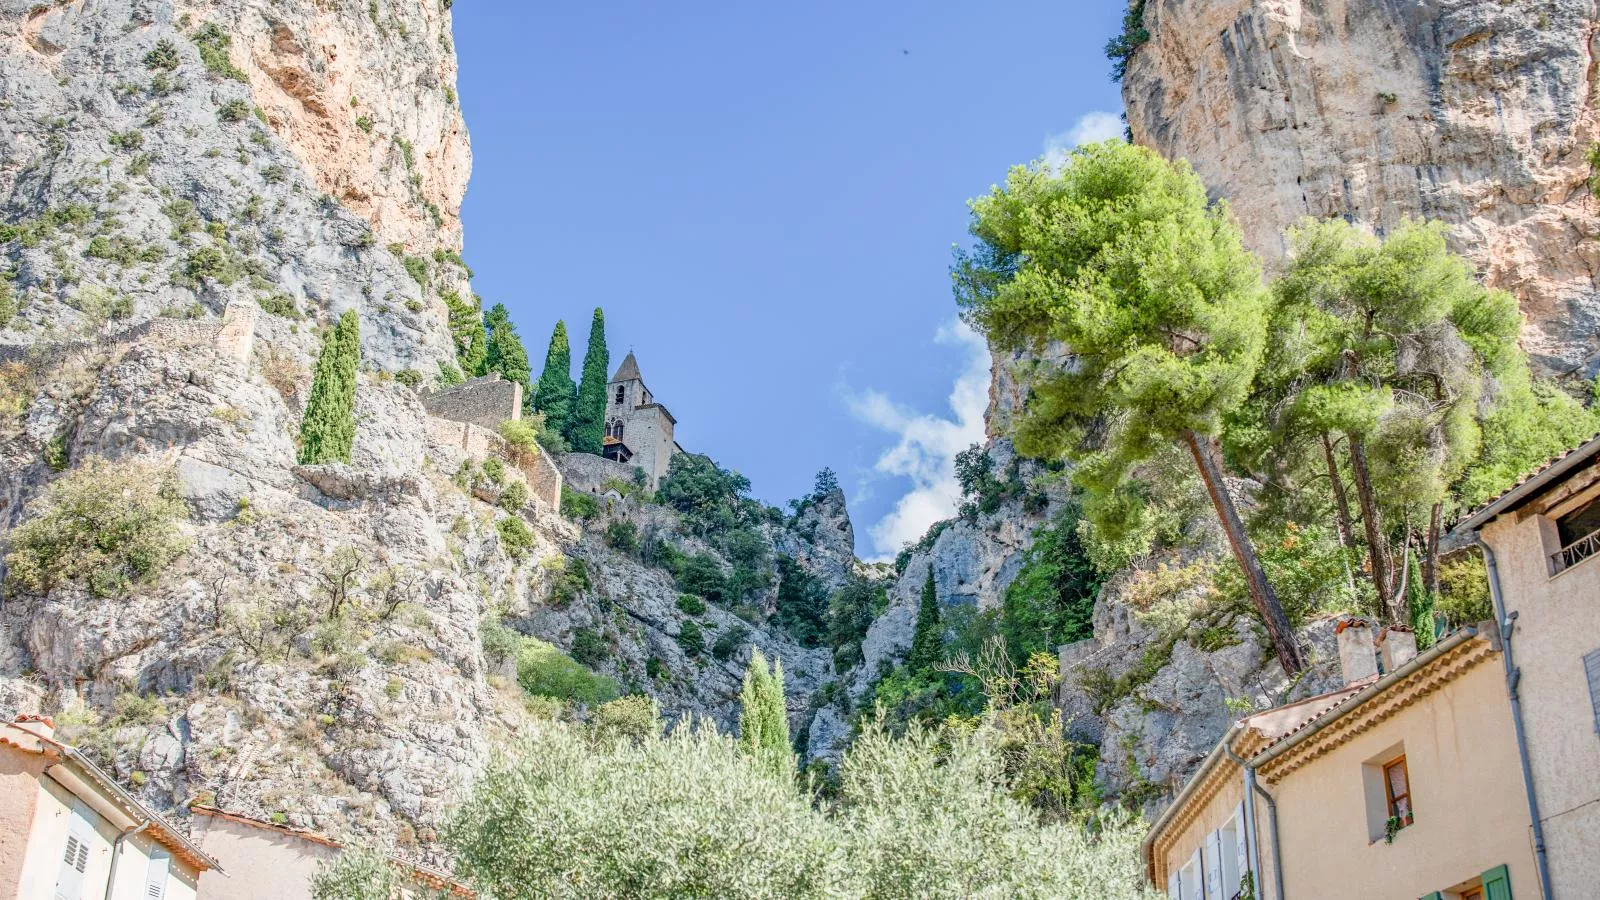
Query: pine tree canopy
[328, 429]
[557, 394]
[764, 716]
[505, 353]
[927, 642]
[588, 425]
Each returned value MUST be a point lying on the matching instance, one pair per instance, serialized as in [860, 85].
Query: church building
[638, 429]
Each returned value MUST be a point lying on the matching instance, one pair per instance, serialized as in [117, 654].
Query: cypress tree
[504, 353]
[589, 419]
[1420, 601]
[328, 430]
[764, 717]
[466, 327]
[926, 641]
[557, 394]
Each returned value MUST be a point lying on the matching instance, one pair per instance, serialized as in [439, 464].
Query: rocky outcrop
[1475, 112]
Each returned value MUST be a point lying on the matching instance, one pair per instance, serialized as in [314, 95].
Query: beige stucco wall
[47, 837]
[19, 798]
[1469, 801]
[262, 864]
[1213, 815]
[1558, 621]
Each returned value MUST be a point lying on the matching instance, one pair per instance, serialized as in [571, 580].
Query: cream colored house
[69, 832]
[1541, 540]
[1400, 785]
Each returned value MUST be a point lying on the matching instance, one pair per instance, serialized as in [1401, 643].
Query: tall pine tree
[504, 353]
[328, 429]
[557, 394]
[928, 640]
[764, 717]
[588, 424]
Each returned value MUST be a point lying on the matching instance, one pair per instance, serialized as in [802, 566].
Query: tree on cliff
[927, 642]
[764, 716]
[588, 424]
[557, 394]
[467, 330]
[328, 429]
[1119, 256]
[505, 353]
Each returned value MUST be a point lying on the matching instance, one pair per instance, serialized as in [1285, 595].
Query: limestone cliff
[1480, 113]
[189, 194]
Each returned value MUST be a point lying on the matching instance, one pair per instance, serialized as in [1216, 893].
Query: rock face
[189, 194]
[1475, 112]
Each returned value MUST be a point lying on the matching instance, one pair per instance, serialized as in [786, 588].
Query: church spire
[628, 371]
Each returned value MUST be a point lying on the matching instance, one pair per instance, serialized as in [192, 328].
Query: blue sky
[763, 198]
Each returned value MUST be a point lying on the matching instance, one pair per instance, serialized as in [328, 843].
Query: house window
[621, 392]
[1579, 535]
[1472, 894]
[1397, 788]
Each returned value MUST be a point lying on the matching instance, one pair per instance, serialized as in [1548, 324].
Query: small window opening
[621, 391]
[1397, 788]
[1579, 533]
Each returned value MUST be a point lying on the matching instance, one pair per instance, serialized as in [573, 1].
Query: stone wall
[588, 473]
[544, 479]
[486, 401]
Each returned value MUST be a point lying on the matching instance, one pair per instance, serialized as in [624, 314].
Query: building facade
[1401, 785]
[69, 832]
[1540, 542]
[639, 430]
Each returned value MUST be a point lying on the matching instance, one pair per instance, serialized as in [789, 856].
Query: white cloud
[928, 444]
[1091, 128]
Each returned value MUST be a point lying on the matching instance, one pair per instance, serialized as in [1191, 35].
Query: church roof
[628, 371]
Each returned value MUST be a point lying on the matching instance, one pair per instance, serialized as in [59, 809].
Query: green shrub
[107, 525]
[571, 581]
[712, 499]
[164, 56]
[126, 140]
[1051, 601]
[499, 642]
[578, 505]
[417, 268]
[691, 638]
[1594, 170]
[656, 669]
[234, 110]
[213, 42]
[411, 378]
[514, 497]
[364, 123]
[494, 469]
[691, 605]
[515, 536]
[358, 873]
[623, 536]
[589, 646]
[545, 671]
[210, 264]
[702, 575]
[730, 641]
[635, 718]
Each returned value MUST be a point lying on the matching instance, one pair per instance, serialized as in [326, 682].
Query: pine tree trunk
[1430, 557]
[1261, 593]
[1377, 546]
[1341, 503]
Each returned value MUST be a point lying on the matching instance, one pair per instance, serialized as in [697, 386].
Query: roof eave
[1529, 488]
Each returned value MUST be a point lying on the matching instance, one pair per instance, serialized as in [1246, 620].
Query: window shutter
[1434, 896]
[1212, 868]
[1591, 668]
[75, 856]
[1497, 884]
[155, 876]
[1174, 892]
[1242, 841]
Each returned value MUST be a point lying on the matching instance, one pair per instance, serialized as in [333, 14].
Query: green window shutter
[1497, 884]
[1434, 896]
